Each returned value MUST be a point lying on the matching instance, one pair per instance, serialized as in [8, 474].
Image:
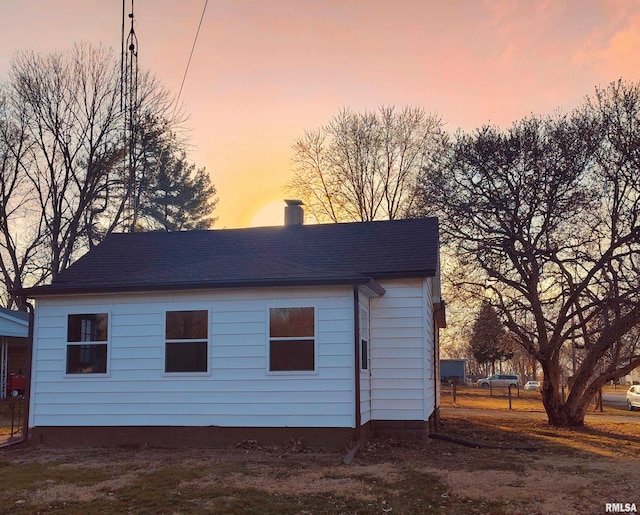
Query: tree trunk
[561, 412]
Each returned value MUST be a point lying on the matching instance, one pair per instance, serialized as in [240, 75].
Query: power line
[193, 47]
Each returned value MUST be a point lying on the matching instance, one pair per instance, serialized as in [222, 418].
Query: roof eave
[54, 290]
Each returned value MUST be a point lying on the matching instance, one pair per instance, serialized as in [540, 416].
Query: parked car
[633, 397]
[500, 380]
[532, 385]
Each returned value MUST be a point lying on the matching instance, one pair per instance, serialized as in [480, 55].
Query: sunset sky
[263, 71]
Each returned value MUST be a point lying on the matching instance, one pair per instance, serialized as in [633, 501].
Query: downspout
[356, 355]
[27, 386]
[436, 374]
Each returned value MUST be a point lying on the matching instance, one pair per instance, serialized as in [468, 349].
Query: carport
[14, 329]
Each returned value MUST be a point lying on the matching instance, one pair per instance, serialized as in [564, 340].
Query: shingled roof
[346, 253]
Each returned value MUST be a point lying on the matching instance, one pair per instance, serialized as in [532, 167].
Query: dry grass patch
[358, 482]
[572, 472]
[494, 399]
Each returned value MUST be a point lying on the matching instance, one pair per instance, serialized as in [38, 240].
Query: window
[187, 341]
[364, 338]
[364, 358]
[83, 357]
[291, 339]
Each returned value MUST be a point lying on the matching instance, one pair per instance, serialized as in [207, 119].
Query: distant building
[632, 378]
[453, 369]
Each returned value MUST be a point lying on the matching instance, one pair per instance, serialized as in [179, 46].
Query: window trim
[107, 342]
[315, 339]
[200, 373]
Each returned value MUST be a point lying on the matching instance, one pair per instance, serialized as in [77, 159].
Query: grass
[494, 399]
[572, 471]
[473, 397]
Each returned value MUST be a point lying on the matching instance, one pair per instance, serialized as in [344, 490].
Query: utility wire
[193, 47]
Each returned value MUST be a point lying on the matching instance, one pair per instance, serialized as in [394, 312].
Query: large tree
[548, 211]
[364, 166]
[69, 176]
[70, 104]
[22, 226]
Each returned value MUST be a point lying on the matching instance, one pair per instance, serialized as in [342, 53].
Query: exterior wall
[187, 437]
[238, 390]
[17, 361]
[365, 374]
[402, 339]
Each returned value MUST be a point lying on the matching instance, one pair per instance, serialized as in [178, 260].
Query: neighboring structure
[632, 378]
[453, 370]
[204, 338]
[14, 329]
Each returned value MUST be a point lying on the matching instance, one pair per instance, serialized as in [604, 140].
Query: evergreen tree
[177, 197]
[488, 339]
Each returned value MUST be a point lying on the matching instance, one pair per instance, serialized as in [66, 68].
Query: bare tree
[21, 224]
[364, 166]
[548, 210]
[68, 175]
[71, 106]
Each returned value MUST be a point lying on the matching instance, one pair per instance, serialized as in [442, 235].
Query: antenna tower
[129, 104]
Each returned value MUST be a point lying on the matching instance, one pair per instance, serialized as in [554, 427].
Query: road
[617, 397]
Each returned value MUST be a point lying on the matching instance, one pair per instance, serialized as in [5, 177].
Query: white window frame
[107, 342]
[285, 305]
[203, 373]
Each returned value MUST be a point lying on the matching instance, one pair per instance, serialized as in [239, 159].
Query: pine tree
[488, 342]
[178, 196]
[171, 194]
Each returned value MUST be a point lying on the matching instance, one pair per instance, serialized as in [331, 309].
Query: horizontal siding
[398, 351]
[238, 390]
[430, 369]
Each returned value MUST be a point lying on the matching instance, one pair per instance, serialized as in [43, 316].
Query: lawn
[569, 472]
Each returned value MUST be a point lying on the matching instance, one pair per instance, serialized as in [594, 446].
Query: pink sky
[265, 70]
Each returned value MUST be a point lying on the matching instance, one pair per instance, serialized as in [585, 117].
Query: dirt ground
[568, 472]
[518, 464]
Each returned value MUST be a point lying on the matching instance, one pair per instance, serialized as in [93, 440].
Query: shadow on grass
[597, 438]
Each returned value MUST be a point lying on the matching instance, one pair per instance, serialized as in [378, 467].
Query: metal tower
[129, 104]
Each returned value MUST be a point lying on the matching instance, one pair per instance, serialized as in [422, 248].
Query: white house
[322, 332]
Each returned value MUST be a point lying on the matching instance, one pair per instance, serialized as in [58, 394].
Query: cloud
[612, 48]
[621, 57]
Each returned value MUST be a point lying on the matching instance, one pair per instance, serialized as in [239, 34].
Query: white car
[532, 385]
[504, 380]
[633, 397]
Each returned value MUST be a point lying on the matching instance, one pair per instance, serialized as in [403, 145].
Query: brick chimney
[293, 212]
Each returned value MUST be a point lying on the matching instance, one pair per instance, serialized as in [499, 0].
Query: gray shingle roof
[295, 255]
